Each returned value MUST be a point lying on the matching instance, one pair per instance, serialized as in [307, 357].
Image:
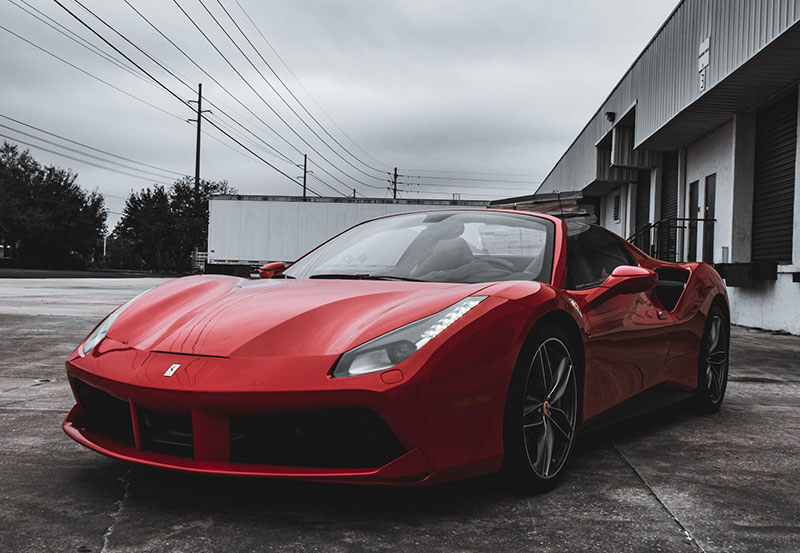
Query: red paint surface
[268, 346]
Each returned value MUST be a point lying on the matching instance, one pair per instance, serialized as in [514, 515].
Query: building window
[616, 208]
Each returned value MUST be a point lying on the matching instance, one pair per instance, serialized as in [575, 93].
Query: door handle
[662, 314]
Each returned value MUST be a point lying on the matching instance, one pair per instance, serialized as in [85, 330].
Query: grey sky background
[427, 86]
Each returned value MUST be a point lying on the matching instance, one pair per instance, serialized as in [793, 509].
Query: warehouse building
[693, 155]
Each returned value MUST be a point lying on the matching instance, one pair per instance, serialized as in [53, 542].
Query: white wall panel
[260, 230]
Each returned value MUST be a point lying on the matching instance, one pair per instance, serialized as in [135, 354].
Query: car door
[626, 337]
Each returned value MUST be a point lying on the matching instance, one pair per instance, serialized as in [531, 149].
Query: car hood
[231, 317]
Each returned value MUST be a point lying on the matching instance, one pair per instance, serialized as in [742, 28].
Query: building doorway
[708, 215]
[691, 251]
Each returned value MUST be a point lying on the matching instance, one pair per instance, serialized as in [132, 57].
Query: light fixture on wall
[611, 116]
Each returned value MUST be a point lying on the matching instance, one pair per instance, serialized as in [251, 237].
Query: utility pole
[394, 184]
[198, 122]
[305, 172]
[304, 175]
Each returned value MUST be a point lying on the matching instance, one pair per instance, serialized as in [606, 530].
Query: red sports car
[409, 349]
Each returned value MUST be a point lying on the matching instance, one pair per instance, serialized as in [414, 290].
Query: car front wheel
[541, 412]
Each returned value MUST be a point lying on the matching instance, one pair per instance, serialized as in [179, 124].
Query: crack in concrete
[530, 514]
[762, 380]
[683, 528]
[126, 484]
[13, 407]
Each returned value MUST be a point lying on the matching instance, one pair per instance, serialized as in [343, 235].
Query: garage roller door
[773, 191]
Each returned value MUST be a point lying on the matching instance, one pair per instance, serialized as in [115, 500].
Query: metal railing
[199, 260]
[667, 239]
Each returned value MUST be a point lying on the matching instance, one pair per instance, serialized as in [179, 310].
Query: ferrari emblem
[172, 369]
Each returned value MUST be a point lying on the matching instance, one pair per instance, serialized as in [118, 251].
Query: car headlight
[392, 348]
[102, 329]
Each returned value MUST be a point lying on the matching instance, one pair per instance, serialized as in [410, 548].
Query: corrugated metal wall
[665, 78]
[255, 231]
[643, 209]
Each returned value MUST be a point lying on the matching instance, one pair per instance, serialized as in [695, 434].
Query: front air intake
[167, 433]
[334, 438]
[103, 413]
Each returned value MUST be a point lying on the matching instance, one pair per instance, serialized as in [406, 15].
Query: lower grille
[335, 438]
[103, 413]
[166, 433]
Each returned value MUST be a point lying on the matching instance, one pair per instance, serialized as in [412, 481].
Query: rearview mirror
[625, 279]
[271, 270]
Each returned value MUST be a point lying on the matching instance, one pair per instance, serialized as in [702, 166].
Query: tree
[47, 219]
[161, 227]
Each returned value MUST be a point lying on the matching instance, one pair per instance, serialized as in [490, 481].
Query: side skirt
[648, 401]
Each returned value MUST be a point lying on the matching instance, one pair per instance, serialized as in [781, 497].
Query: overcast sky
[428, 86]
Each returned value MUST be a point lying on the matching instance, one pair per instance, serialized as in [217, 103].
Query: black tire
[712, 366]
[541, 412]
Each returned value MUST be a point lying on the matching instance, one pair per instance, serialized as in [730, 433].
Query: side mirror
[625, 279]
[271, 270]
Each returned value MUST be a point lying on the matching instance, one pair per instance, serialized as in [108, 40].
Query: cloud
[499, 86]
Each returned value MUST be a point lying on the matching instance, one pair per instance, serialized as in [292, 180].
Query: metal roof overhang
[769, 72]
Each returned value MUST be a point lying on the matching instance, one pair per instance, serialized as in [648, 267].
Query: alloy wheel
[716, 359]
[550, 408]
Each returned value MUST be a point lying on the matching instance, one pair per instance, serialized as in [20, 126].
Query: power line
[285, 86]
[177, 76]
[166, 88]
[473, 179]
[71, 35]
[235, 97]
[217, 108]
[145, 102]
[133, 96]
[315, 177]
[99, 158]
[450, 185]
[90, 147]
[59, 58]
[490, 173]
[249, 140]
[299, 82]
[87, 162]
[210, 76]
[272, 109]
[482, 197]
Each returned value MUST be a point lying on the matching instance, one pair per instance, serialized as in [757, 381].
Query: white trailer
[248, 231]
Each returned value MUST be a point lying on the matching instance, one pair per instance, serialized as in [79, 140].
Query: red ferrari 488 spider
[409, 349]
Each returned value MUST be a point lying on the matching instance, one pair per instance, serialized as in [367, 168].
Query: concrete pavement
[671, 481]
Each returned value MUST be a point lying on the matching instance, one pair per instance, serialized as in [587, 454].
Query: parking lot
[672, 481]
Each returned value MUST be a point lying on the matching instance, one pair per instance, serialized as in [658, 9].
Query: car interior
[593, 253]
[441, 254]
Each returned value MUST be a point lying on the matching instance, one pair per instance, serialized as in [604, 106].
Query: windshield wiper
[389, 277]
[362, 276]
[349, 276]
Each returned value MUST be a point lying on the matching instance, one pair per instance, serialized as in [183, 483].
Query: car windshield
[437, 246]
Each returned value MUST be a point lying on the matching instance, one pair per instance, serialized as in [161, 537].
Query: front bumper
[411, 467]
[244, 433]
[438, 417]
